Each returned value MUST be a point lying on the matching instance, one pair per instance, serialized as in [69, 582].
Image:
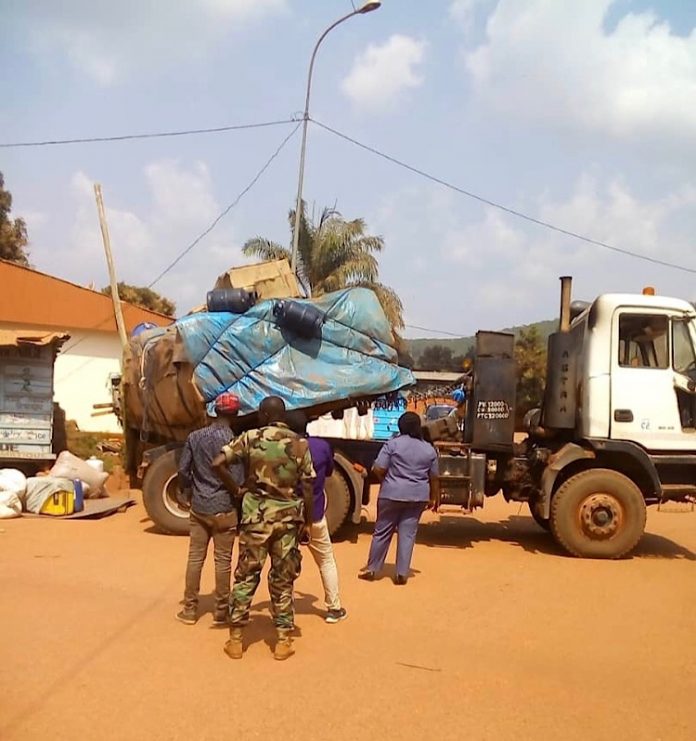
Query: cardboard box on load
[273, 279]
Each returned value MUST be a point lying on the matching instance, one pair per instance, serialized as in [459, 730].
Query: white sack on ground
[71, 467]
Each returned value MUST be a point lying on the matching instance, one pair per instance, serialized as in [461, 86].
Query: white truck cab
[617, 430]
[637, 371]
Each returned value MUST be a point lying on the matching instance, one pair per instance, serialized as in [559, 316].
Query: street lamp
[366, 8]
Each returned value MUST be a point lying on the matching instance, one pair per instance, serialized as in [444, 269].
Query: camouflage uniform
[276, 460]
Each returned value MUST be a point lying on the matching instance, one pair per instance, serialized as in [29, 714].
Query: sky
[582, 115]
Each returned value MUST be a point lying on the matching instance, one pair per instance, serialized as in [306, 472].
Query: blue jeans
[399, 517]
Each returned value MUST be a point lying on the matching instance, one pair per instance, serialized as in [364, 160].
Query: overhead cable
[437, 331]
[224, 213]
[501, 207]
[149, 135]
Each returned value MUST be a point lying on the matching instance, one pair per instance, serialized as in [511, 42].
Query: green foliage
[404, 357]
[13, 232]
[463, 345]
[86, 444]
[439, 358]
[333, 253]
[530, 358]
[143, 297]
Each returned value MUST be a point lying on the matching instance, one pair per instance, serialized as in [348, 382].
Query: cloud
[184, 197]
[485, 269]
[384, 72]
[464, 12]
[107, 41]
[521, 260]
[549, 63]
[180, 204]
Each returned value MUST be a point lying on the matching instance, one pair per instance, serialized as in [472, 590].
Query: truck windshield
[683, 356]
[643, 341]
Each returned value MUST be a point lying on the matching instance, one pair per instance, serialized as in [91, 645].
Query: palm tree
[332, 254]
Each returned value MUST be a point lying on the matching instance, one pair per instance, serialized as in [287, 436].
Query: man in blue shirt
[213, 513]
[320, 545]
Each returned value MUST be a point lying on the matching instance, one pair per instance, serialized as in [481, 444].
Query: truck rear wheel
[160, 488]
[338, 501]
[598, 514]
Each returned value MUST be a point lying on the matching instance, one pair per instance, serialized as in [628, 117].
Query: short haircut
[296, 420]
[410, 424]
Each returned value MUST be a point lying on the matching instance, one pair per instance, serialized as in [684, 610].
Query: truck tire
[338, 501]
[159, 495]
[534, 511]
[598, 513]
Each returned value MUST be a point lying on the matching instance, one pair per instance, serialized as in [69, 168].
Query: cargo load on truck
[319, 355]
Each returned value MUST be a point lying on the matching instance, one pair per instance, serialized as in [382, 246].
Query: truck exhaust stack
[566, 287]
[560, 395]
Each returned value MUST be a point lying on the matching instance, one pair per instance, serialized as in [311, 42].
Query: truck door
[643, 399]
[684, 364]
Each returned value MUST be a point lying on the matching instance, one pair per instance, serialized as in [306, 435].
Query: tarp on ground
[253, 357]
[172, 375]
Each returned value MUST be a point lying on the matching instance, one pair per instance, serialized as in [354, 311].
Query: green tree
[530, 358]
[332, 254]
[13, 232]
[441, 358]
[436, 358]
[143, 297]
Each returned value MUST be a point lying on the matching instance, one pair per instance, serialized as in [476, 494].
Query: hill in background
[461, 345]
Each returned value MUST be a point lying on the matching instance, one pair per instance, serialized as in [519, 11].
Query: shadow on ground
[455, 531]
[261, 628]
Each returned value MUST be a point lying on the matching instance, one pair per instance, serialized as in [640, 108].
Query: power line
[207, 231]
[437, 331]
[150, 135]
[501, 207]
[266, 165]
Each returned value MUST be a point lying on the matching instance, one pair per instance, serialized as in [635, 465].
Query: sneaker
[188, 617]
[221, 620]
[367, 575]
[400, 580]
[335, 616]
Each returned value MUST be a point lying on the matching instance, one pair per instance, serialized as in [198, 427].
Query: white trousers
[322, 551]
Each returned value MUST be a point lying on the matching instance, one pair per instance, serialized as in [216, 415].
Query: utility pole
[368, 7]
[118, 313]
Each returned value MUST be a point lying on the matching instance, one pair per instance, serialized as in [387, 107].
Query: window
[683, 356]
[643, 341]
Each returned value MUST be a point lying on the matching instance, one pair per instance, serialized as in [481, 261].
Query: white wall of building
[81, 375]
[81, 379]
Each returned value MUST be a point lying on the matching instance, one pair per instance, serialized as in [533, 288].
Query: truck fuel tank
[462, 476]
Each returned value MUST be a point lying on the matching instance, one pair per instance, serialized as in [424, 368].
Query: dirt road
[497, 636]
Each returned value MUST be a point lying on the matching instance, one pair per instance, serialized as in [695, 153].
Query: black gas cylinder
[234, 300]
[304, 320]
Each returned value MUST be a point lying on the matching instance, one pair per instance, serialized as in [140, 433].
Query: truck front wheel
[598, 513]
[160, 489]
[535, 512]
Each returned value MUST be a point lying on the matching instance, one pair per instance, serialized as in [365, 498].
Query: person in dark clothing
[213, 511]
[407, 467]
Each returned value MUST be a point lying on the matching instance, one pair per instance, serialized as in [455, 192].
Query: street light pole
[366, 8]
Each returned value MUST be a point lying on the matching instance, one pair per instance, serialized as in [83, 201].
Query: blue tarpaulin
[252, 356]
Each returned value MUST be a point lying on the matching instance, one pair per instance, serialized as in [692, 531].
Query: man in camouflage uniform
[273, 520]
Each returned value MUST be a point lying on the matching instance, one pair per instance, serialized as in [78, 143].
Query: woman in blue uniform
[407, 468]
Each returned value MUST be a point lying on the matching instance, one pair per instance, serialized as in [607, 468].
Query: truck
[30, 426]
[614, 434]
